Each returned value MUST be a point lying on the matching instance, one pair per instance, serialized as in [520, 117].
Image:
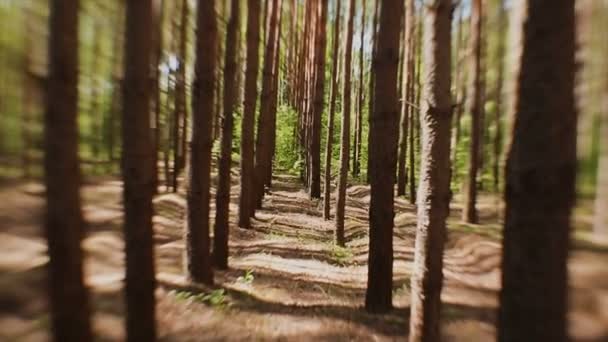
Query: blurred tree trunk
[469, 212]
[406, 108]
[198, 263]
[246, 203]
[384, 132]
[140, 282]
[263, 150]
[220, 236]
[540, 178]
[179, 110]
[434, 193]
[359, 117]
[318, 100]
[158, 14]
[345, 127]
[218, 80]
[460, 89]
[600, 226]
[64, 224]
[94, 113]
[330, 118]
[372, 77]
[498, 94]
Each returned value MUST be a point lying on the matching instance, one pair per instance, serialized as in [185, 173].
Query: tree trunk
[600, 225]
[469, 211]
[540, 179]
[158, 14]
[64, 224]
[198, 263]
[318, 101]
[179, 111]
[406, 108]
[263, 150]
[372, 80]
[384, 132]
[459, 87]
[345, 129]
[498, 94]
[246, 209]
[330, 118]
[359, 119]
[220, 236]
[434, 193]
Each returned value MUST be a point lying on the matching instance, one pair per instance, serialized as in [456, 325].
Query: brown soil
[300, 286]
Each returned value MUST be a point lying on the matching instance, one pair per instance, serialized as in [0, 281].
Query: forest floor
[286, 282]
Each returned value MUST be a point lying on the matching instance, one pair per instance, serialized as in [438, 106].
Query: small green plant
[341, 255]
[216, 298]
[247, 278]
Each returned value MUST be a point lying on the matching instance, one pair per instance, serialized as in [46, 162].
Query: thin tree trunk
[198, 263]
[600, 225]
[359, 119]
[372, 77]
[158, 15]
[540, 179]
[220, 236]
[330, 118]
[64, 224]
[469, 212]
[94, 113]
[345, 127]
[263, 151]
[434, 193]
[384, 132]
[318, 102]
[459, 87]
[218, 80]
[502, 26]
[179, 112]
[406, 108]
[246, 208]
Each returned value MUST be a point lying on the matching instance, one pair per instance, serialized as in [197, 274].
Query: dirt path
[286, 282]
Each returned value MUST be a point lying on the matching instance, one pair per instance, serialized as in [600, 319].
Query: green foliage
[341, 255]
[216, 298]
[287, 156]
[246, 278]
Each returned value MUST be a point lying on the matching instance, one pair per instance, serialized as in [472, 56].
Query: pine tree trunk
[600, 225]
[372, 79]
[540, 179]
[469, 212]
[384, 132]
[318, 101]
[330, 118]
[220, 236]
[263, 150]
[345, 127]
[64, 224]
[179, 111]
[158, 14]
[359, 119]
[246, 209]
[434, 193]
[198, 263]
[497, 143]
[406, 96]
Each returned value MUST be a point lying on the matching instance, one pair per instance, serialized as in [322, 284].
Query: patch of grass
[492, 231]
[246, 278]
[341, 255]
[215, 298]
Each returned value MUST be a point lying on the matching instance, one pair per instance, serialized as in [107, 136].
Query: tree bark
[158, 14]
[434, 188]
[345, 129]
[263, 149]
[600, 225]
[318, 101]
[540, 178]
[406, 108]
[330, 118]
[359, 118]
[64, 224]
[469, 211]
[220, 236]
[198, 263]
[246, 209]
[497, 148]
[384, 132]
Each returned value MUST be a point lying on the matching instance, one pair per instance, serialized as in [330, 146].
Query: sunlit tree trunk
[540, 178]
[359, 118]
[372, 78]
[64, 224]
[469, 212]
[158, 12]
[498, 95]
[384, 132]
[246, 201]
[434, 187]
[406, 108]
[179, 111]
[221, 229]
[330, 117]
[198, 263]
[345, 129]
